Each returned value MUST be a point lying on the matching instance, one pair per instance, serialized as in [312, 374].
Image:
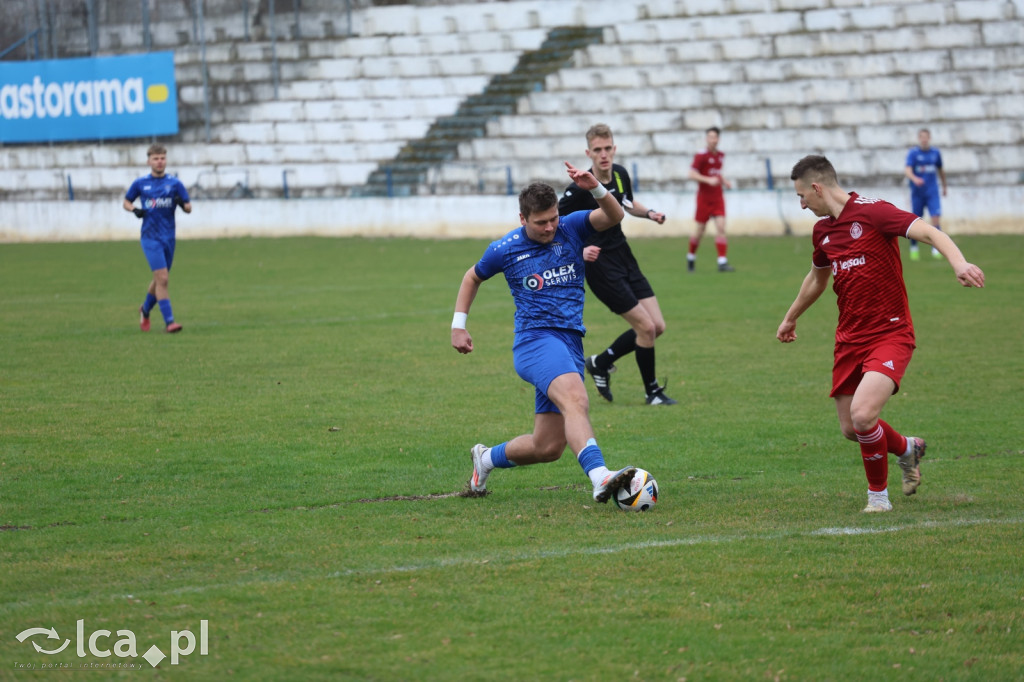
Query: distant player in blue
[160, 196]
[543, 264]
[924, 171]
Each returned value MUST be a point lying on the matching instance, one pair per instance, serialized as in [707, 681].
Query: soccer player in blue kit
[924, 171]
[543, 264]
[160, 196]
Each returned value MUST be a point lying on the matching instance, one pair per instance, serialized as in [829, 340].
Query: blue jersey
[925, 164]
[158, 195]
[546, 280]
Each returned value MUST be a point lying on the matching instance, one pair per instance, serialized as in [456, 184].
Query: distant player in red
[707, 171]
[856, 243]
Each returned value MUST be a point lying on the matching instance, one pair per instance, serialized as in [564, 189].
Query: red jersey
[710, 164]
[862, 249]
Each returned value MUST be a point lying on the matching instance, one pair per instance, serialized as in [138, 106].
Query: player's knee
[863, 421]
[659, 328]
[848, 432]
[646, 332]
[576, 403]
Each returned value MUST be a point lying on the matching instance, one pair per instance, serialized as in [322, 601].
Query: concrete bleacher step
[501, 96]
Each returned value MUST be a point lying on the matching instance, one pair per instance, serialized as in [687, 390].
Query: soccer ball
[640, 495]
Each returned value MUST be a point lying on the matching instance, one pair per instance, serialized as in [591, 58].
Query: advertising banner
[95, 98]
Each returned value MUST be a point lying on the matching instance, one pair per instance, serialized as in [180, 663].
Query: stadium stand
[320, 113]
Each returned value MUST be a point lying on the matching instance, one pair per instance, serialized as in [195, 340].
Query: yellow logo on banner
[157, 93]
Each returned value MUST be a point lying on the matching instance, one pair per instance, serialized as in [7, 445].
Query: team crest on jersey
[557, 248]
[856, 230]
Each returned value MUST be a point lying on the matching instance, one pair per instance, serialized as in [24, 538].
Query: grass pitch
[284, 470]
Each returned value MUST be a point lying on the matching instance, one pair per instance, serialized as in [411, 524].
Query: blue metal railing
[34, 37]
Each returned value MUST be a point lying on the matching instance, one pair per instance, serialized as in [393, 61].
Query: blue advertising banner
[95, 98]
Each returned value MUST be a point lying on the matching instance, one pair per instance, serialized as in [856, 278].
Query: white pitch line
[498, 558]
[658, 544]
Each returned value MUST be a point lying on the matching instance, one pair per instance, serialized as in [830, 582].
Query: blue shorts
[159, 253]
[926, 197]
[541, 355]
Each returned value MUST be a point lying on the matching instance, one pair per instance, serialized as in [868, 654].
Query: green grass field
[284, 470]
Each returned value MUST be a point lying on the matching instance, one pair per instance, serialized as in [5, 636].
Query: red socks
[876, 461]
[721, 245]
[874, 445]
[894, 442]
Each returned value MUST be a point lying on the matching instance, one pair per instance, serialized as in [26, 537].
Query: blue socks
[165, 310]
[148, 304]
[590, 457]
[498, 457]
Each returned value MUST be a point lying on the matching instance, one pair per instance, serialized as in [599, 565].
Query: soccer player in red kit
[856, 243]
[707, 171]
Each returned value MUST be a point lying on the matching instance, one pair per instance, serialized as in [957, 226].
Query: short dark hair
[536, 197]
[713, 129]
[155, 148]
[598, 130]
[815, 168]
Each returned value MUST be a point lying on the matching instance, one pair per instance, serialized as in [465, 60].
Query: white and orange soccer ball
[640, 495]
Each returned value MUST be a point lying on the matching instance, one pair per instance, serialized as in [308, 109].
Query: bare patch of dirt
[419, 498]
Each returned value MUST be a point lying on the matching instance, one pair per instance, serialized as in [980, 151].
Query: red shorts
[708, 206]
[852, 360]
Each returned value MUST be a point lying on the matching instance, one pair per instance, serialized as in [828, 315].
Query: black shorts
[616, 280]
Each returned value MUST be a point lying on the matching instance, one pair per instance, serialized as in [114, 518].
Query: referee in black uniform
[614, 275]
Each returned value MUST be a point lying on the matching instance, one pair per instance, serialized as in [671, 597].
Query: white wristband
[459, 320]
[599, 191]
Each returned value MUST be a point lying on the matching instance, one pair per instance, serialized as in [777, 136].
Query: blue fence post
[91, 28]
[768, 173]
[636, 179]
[71, 190]
[509, 189]
[284, 182]
[391, 187]
[147, 35]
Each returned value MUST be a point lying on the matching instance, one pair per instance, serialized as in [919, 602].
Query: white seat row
[320, 132]
[669, 72]
[657, 138]
[750, 169]
[351, 109]
[395, 88]
[462, 18]
[682, 30]
[245, 74]
[114, 181]
[998, 146]
[359, 47]
[786, 94]
[574, 125]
